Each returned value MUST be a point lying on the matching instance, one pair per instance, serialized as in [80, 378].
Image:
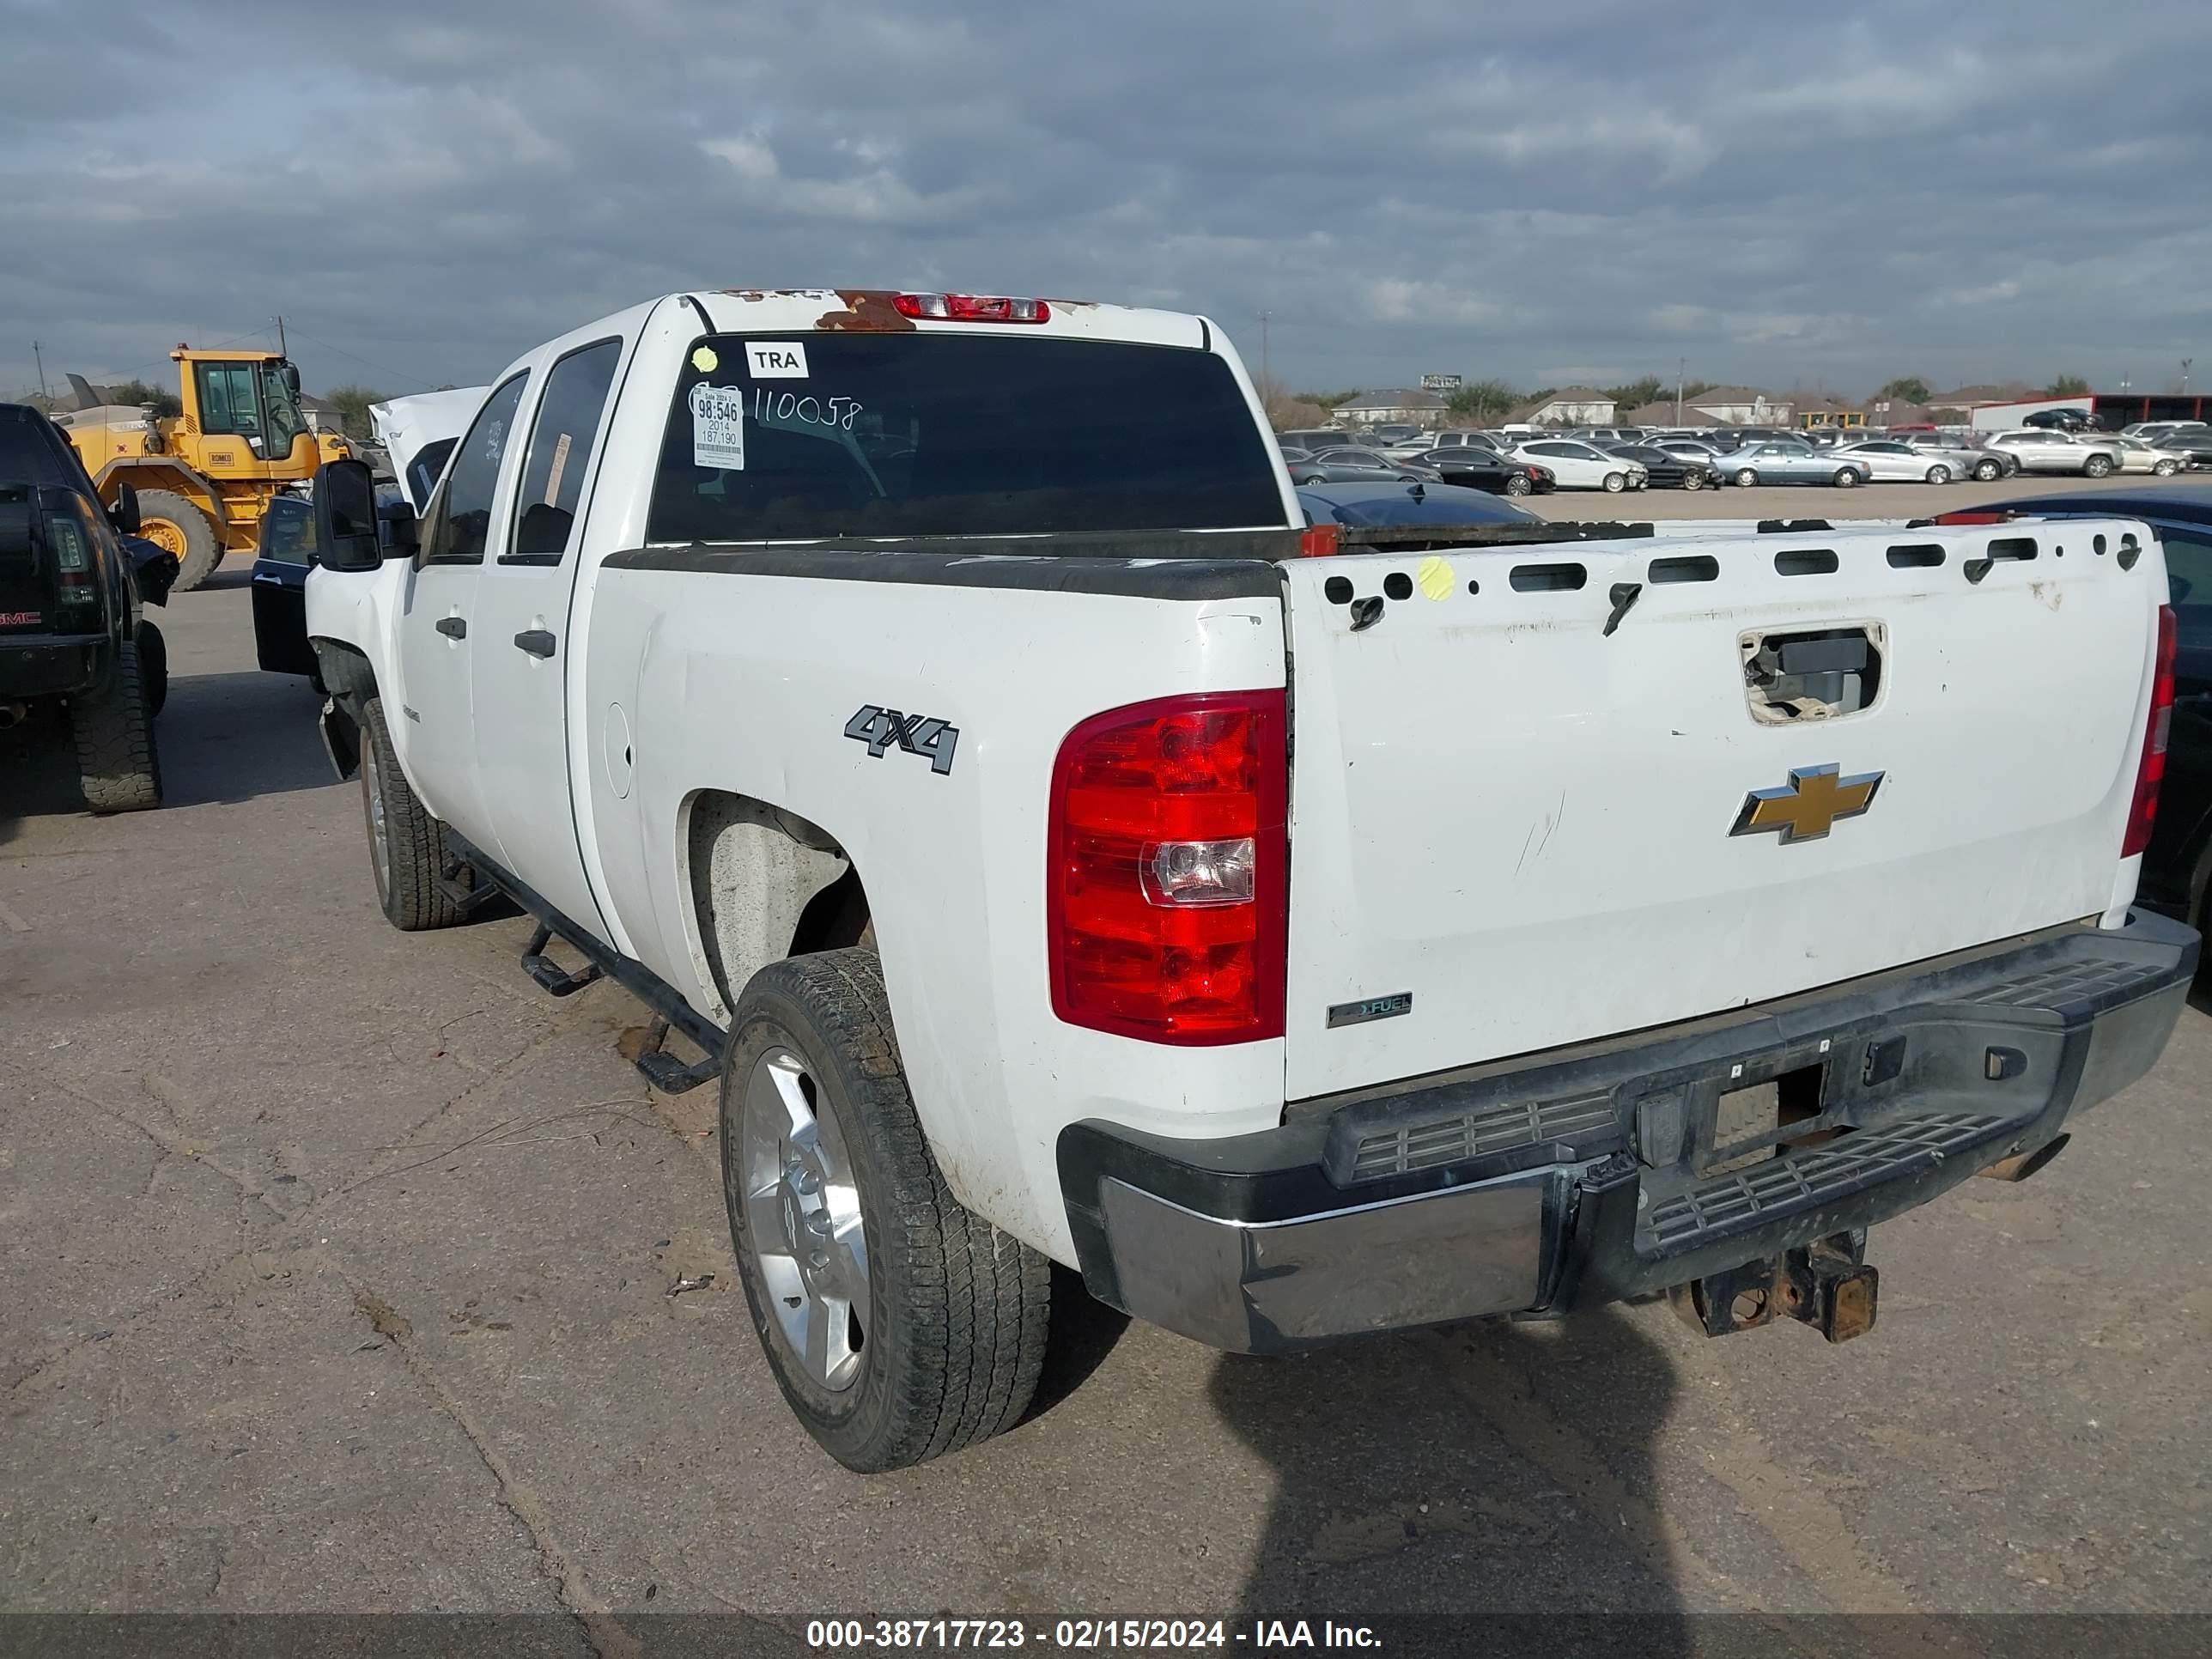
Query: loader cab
[251, 400]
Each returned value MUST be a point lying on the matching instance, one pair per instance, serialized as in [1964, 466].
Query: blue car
[1790, 464]
[1406, 504]
[286, 552]
[280, 562]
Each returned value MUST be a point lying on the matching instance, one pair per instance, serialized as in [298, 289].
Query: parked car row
[1618, 459]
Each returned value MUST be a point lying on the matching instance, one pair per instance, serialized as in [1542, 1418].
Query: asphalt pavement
[339, 1268]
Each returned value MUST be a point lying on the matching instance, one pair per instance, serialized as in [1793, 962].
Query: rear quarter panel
[746, 684]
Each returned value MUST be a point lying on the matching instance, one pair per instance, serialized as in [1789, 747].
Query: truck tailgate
[1540, 832]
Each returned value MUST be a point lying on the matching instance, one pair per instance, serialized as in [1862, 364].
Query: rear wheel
[1517, 484]
[407, 851]
[117, 765]
[1693, 480]
[899, 1326]
[1615, 482]
[153, 666]
[2165, 469]
[172, 523]
[1938, 474]
[1745, 478]
[2097, 465]
[1988, 471]
[1845, 478]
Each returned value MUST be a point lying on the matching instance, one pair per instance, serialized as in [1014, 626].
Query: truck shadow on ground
[1483, 1470]
[222, 738]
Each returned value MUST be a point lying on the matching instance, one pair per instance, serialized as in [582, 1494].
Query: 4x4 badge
[1807, 806]
[918, 734]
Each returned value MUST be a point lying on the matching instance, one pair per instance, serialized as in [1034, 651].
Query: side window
[465, 520]
[560, 443]
[226, 402]
[423, 471]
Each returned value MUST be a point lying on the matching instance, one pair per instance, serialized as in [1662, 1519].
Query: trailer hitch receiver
[1827, 1285]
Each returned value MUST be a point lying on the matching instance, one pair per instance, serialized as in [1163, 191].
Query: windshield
[956, 435]
[287, 531]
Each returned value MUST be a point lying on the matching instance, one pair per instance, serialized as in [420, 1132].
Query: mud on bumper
[1576, 1178]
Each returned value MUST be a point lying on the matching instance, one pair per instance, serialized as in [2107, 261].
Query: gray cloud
[1779, 195]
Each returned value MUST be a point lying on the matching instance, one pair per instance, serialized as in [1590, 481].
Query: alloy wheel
[803, 1219]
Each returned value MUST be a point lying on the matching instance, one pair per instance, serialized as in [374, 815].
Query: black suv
[73, 578]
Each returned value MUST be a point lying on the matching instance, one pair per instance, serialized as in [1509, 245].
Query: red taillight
[1166, 858]
[970, 308]
[1319, 541]
[2143, 813]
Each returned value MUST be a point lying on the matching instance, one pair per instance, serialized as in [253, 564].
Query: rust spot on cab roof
[867, 310]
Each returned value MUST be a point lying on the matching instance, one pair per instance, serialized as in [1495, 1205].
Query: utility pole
[38, 357]
[1267, 372]
[281, 351]
[2185, 362]
[1681, 364]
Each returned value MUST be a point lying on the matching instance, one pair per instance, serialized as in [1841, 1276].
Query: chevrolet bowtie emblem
[1809, 805]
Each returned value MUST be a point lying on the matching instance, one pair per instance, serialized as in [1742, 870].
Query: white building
[1392, 405]
[1737, 405]
[1575, 405]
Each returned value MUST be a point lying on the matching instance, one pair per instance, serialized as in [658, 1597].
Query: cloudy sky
[1815, 194]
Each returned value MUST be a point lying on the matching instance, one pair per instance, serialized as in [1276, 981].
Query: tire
[1615, 482]
[1518, 484]
[1845, 478]
[952, 1337]
[407, 851]
[117, 765]
[1745, 478]
[1989, 471]
[1938, 474]
[2097, 466]
[2165, 469]
[192, 539]
[1694, 481]
[153, 666]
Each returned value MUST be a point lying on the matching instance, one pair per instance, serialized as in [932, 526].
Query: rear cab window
[825, 436]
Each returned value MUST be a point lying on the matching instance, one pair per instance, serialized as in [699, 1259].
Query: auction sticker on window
[717, 427]
[777, 360]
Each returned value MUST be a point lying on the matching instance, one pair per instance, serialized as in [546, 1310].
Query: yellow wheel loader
[205, 476]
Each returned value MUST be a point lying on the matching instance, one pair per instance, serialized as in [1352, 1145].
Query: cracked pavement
[337, 1267]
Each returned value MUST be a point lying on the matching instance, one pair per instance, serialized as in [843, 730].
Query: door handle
[535, 641]
[453, 628]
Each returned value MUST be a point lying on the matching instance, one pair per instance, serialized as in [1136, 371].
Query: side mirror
[155, 569]
[292, 378]
[345, 516]
[123, 515]
[403, 535]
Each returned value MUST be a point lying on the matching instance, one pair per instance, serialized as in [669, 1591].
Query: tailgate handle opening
[1813, 673]
[2005, 547]
[1548, 578]
[1807, 561]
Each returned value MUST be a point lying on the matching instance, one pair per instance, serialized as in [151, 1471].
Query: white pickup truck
[935, 708]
